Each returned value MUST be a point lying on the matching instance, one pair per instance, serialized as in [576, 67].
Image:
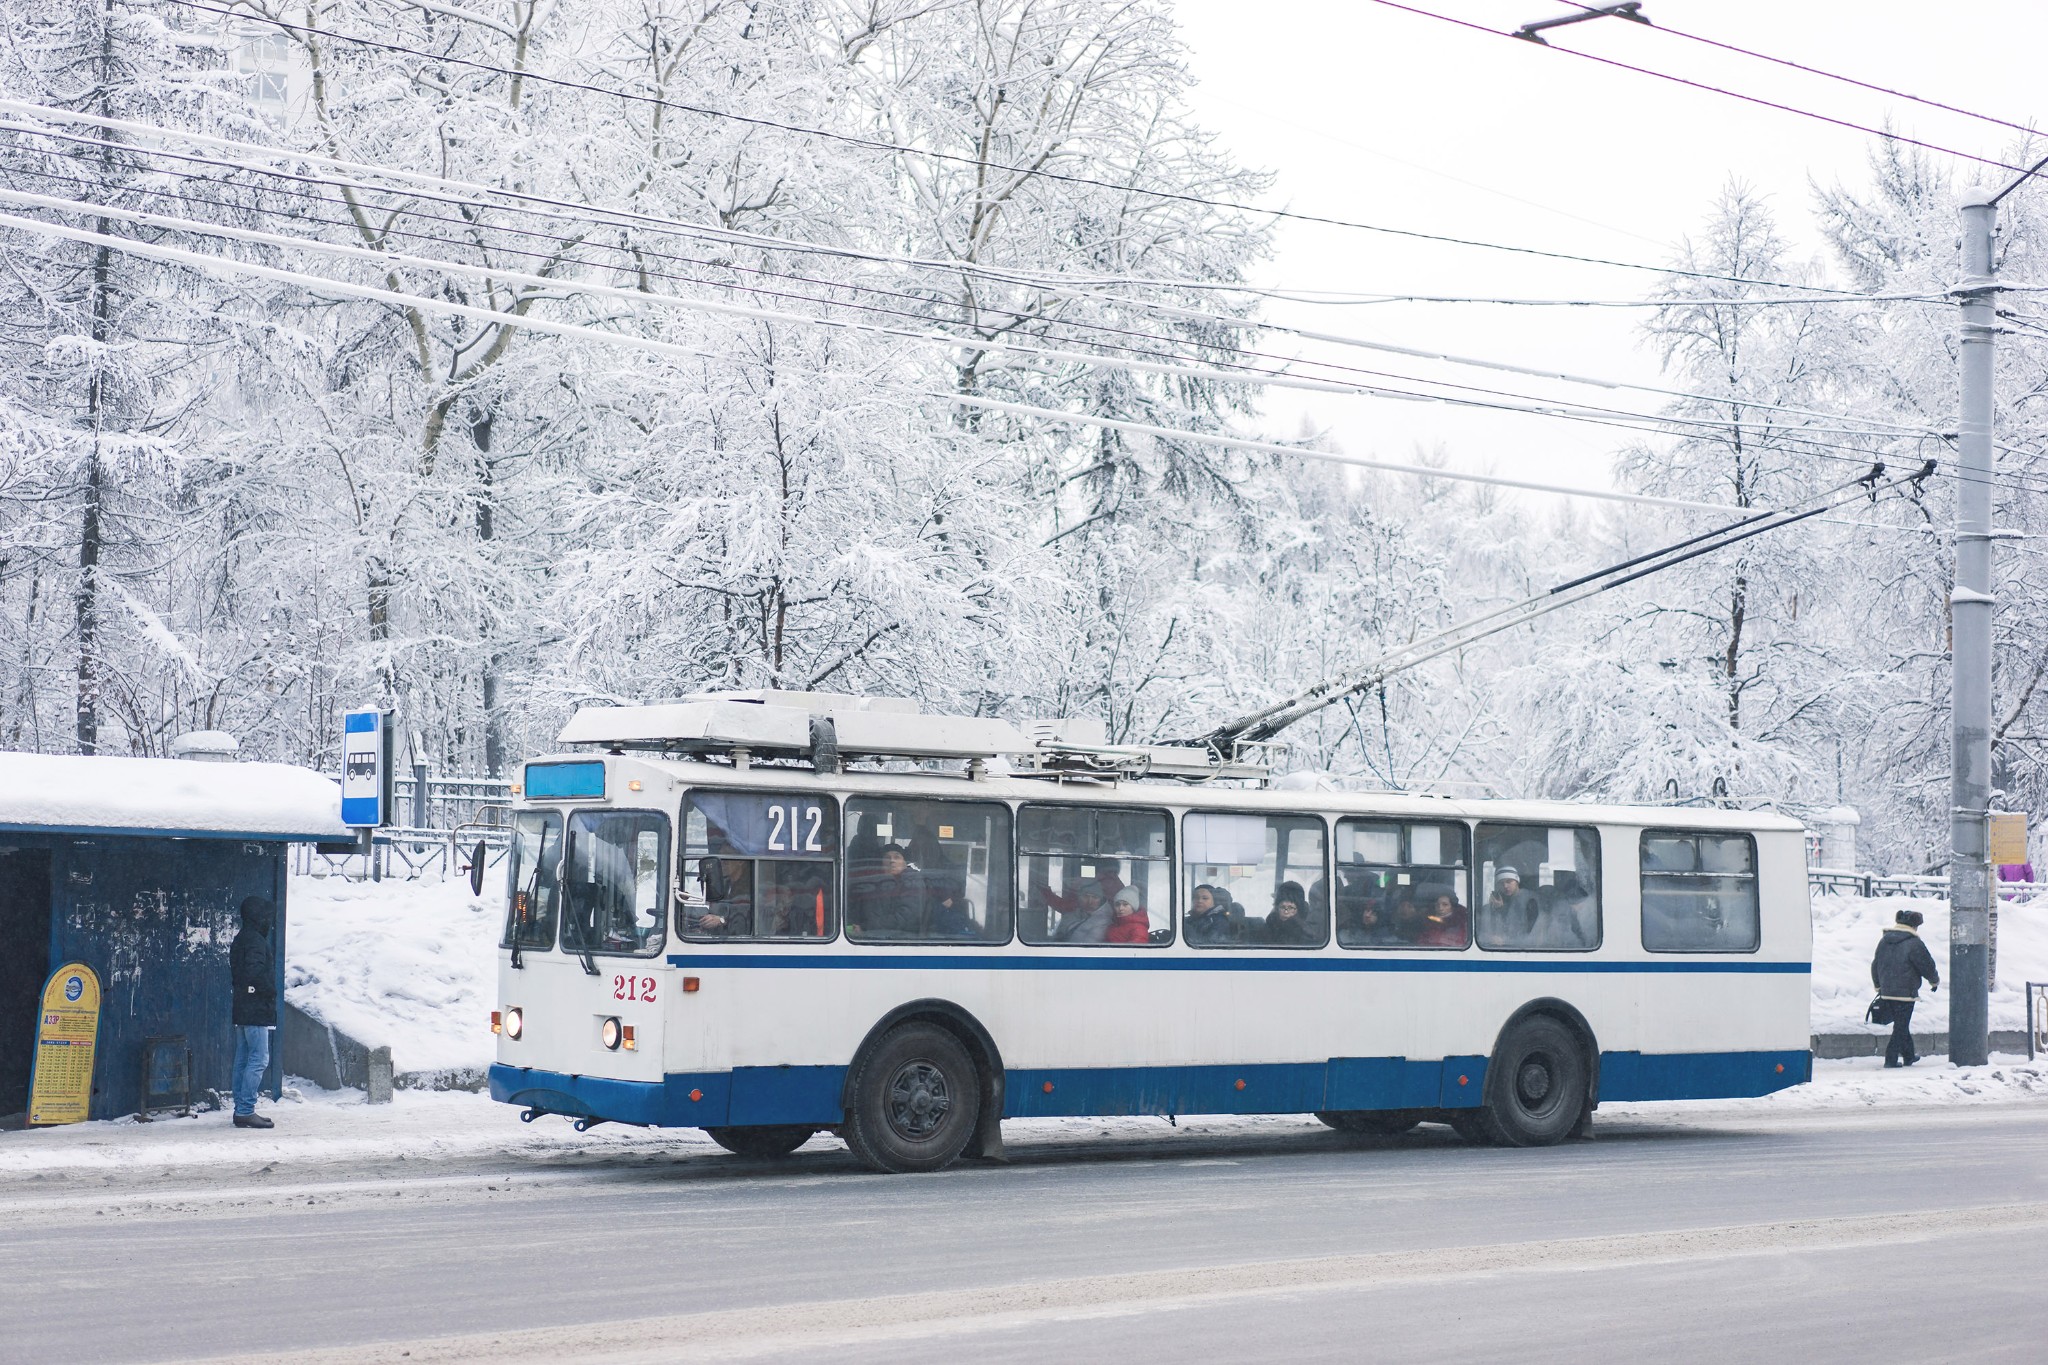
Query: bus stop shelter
[137, 867]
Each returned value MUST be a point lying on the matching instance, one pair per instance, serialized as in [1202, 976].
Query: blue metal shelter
[137, 868]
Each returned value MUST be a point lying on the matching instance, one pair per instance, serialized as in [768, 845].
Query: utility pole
[1970, 605]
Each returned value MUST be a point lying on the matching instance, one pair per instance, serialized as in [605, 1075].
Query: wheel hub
[1534, 1081]
[919, 1100]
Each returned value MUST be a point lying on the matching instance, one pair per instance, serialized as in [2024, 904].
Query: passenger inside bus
[1088, 919]
[1128, 922]
[1288, 925]
[1447, 925]
[1209, 919]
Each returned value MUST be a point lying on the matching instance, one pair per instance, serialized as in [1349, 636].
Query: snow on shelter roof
[179, 797]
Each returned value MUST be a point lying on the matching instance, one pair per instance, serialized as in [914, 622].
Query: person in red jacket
[1130, 924]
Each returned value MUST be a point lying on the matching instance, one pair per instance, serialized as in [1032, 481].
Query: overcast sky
[1367, 112]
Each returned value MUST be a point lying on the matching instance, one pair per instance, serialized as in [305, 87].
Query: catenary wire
[582, 213]
[1789, 64]
[1867, 426]
[1697, 85]
[1794, 438]
[1024, 172]
[1519, 403]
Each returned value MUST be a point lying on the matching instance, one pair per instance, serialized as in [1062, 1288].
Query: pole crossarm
[1262, 725]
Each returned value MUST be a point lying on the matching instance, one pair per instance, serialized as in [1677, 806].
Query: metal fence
[446, 818]
[1832, 883]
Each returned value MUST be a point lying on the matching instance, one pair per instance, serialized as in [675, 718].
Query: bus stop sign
[366, 768]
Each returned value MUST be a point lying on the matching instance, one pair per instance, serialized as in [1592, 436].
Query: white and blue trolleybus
[770, 914]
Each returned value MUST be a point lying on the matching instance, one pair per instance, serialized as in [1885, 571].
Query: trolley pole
[1970, 608]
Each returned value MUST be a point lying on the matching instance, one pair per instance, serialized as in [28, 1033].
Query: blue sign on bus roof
[564, 781]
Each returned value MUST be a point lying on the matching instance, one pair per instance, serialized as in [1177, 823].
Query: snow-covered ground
[407, 965]
[411, 965]
[1845, 933]
[316, 1127]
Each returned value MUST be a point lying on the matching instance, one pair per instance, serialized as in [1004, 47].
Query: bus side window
[1699, 892]
[1538, 888]
[758, 865]
[1255, 881]
[920, 871]
[1403, 884]
[532, 893]
[1096, 877]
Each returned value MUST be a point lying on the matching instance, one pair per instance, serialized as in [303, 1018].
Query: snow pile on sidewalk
[1845, 933]
[317, 1127]
[411, 966]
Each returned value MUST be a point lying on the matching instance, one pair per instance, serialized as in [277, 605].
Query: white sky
[1371, 113]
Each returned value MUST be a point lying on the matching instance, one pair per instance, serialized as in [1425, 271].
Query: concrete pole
[1970, 606]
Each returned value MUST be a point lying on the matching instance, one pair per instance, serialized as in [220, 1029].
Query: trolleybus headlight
[515, 1024]
[610, 1033]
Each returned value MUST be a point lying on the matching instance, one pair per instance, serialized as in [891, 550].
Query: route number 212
[633, 988]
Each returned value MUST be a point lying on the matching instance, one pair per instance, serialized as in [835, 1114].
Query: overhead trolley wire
[347, 289]
[1071, 324]
[1701, 85]
[982, 164]
[462, 193]
[1660, 27]
[1795, 438]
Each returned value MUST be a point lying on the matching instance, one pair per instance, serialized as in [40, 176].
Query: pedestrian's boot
[253, 1121]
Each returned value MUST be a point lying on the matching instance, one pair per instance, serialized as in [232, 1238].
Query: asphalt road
[1861, 1237]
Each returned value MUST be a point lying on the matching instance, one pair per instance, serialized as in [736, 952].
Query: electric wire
[2029, 130]
[347, 289]
[469, 225]
[462, 193]
[985, 165]
[1796, 438]
[1701, 85]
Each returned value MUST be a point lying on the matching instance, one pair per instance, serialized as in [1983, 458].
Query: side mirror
[476, 869]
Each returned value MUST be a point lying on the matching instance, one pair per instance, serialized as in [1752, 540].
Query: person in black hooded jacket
[252, 968]
[1897, 969]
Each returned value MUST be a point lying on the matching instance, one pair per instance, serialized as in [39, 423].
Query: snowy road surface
[1735, 1233]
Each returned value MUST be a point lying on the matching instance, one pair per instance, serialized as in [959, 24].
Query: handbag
[1881, 1011]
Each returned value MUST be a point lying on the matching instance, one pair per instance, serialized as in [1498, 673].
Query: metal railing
[403, 854]
[1828, 882]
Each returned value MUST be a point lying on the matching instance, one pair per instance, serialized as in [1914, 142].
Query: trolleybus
[772, 914]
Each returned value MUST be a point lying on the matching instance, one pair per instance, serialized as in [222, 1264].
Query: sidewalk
[425, 1129]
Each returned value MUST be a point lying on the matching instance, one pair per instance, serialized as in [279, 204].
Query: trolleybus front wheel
[1369, 1122]
[765, 1140]
[1536, 1086]
[913, 1101]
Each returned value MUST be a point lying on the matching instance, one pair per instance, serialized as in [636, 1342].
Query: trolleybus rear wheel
[1370, 1122]
[913, 1101]
[767, 1140]
[1536, 1086]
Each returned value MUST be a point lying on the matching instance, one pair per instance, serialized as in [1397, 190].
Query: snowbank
[1845, 933]
[178, 796]
[411, 966]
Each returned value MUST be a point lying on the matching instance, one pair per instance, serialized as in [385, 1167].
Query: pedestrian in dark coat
[252, 967]
[1901, 963]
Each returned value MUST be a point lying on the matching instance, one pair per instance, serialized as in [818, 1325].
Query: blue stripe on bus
[810, 1094]
[797, 958]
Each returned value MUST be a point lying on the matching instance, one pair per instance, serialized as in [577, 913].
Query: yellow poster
[67, 1033]
[2008, 838]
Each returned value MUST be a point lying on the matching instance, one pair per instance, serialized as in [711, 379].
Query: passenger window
[531, 890]
[1255, 881]
[1403, 884]
[1700, 893]
[759, 865]
[1088, 876]
[617, 882]
[1539, 888]
[927, 871]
